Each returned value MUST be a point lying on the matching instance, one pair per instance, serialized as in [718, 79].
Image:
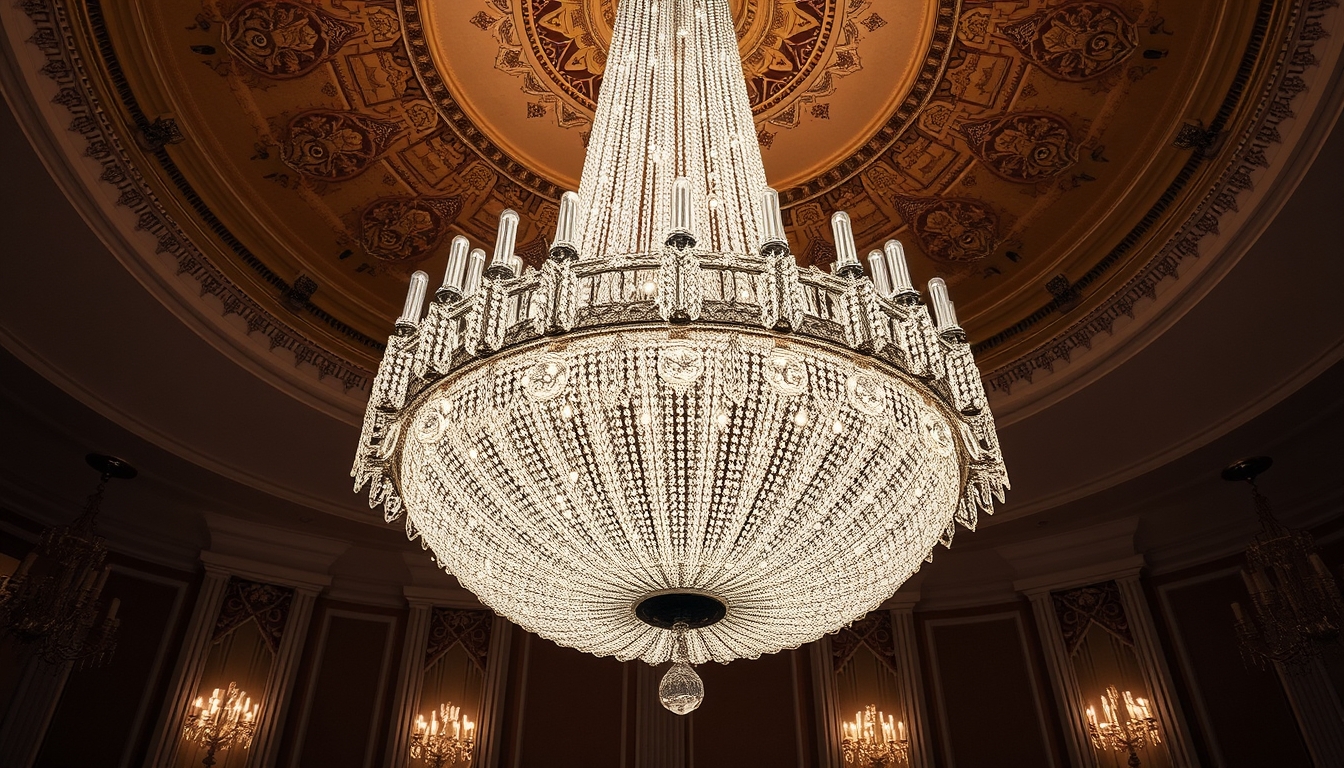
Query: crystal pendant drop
[681, 690]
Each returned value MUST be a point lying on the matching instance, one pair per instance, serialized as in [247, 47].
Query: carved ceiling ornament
[336, 145]
[1077, 40]
[1023, 147]
[284, 39]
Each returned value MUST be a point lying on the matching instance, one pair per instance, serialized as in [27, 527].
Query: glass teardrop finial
[681, 690]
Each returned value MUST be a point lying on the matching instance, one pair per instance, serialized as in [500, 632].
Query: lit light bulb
[681, 690]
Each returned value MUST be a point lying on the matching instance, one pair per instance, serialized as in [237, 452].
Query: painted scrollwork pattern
[953, 230]
[283, 39]
[1023, 147]
[405, 229]
[873, 631]
[1076, 41]
[451, 626]
[266, 604]
[1100, 604]
[336, 145]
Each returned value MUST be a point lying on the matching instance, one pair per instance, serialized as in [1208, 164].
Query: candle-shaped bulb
[774, 218]
[475, 268]
[112, 609]
[415, 299]
[517, 265]
[501, 263]
[897, 269]
[682, 211]
[877, 268]
[943, 311]
[566, 219]
[846, 256]
[1318, 565]
[455, 276]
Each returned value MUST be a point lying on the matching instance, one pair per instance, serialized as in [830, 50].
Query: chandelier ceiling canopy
[670, 425]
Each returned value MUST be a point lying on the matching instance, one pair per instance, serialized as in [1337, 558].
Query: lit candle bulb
[846, 256]
[475, 268]
[900, 729]
[774, 218]
[877, 267]
[415, 299]
[943, 310]
[682, 217]
[455, 276]
[501, 264]
[897, 268]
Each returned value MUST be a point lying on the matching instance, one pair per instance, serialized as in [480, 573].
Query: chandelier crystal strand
[670, 424]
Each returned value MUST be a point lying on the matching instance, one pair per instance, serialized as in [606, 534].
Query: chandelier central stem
[673, 104]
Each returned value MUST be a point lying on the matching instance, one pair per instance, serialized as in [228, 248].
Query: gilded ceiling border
[55, 38]
[1292, 58]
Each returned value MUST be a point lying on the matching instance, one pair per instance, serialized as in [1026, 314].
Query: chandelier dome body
[670, 424]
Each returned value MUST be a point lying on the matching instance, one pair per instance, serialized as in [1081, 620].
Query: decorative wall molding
[30, 710]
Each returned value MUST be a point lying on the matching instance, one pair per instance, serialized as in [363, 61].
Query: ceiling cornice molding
[270, 554]
[1293, 111]
[1081, 577]
[44, 80]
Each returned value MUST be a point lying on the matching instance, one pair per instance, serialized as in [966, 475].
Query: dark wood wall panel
[1245, 709]
[989, 713]
[572, 710]
[102, 710]
[750, 715]
[345, 703]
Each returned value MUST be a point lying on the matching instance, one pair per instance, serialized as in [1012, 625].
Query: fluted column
[1156, 673]
[660, 736]
[1317, 708]
[30, 711]
[1063, 679]
[912, 686]
[280, 682]
[410, 680]
[488, 729]
[187, 673]
[828, 707]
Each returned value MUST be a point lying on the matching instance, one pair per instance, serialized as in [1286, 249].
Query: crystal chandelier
[1137, 731]
[228, 719]
[51, 601]
[874, 740]
[670, 422]
[446, 739]
[1295, 603]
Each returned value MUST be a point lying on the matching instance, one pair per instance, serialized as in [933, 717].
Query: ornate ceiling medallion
[793, 51]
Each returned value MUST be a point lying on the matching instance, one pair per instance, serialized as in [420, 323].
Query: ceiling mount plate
[1247, 469]
[694, 609]
[111, 466]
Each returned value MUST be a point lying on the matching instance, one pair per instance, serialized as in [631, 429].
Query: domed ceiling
[1053, 160]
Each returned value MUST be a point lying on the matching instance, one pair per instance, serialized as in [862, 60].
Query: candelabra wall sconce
[1295, 604]
[51, 602]
[445, 739]
[874, 740]
[1137, 731]
[227, 719]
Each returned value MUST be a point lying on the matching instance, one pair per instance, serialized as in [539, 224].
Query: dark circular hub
[669, 608]
[110, 466]
[1247, 469]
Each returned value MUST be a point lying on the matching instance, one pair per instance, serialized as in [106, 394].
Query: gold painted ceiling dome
[1058, 163]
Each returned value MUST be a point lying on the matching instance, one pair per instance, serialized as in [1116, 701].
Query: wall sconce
[225, 720]
[1137, 731]
[874, 740]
